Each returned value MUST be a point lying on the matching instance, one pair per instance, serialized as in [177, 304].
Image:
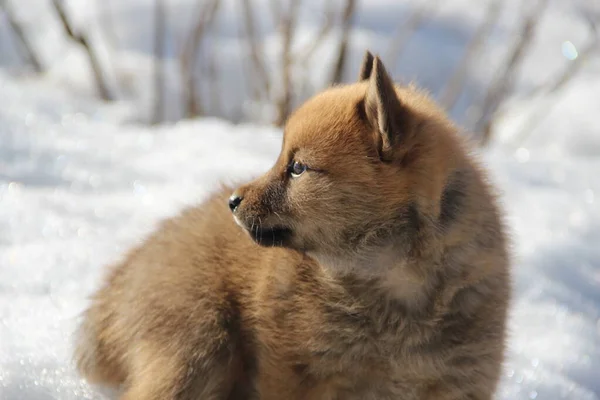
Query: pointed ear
[384, 111]
[366, 67]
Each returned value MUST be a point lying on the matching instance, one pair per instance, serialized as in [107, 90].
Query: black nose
[234, 202]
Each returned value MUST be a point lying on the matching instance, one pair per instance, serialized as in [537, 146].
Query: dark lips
[270, 237]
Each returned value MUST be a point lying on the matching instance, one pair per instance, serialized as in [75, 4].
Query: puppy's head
[356, 169]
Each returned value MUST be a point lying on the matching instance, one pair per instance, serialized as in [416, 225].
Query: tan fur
[386, 278]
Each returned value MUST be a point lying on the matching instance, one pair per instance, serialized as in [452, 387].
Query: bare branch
[108, 23]
[455, 84]
[108, 28]
[82, 39]
[288, 26]
[25, 47]
[256, 53]
[159, 50]
[573, 67]
[305, 54]
[404, 33]
[504, 81]
[340, 63]
[276, 9]
[556, 84]
[213, 86]
[189, 56]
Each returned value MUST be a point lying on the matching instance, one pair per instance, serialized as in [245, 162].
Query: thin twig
[455, 84]
[109, 24]
[82, 39]
[288, 26]
[159, 50]
[555, 85]
[256, 53]
[504, 81]
[189, 57]
[213, 85]
[306, 53]
[572, 67]
[108, 27]
[23, 43]
[276, 9]
[340, 62]
[407, 29]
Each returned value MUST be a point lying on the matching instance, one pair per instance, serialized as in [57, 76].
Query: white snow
[80, 183]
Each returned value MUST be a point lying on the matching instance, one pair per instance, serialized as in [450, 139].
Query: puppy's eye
[297, 169]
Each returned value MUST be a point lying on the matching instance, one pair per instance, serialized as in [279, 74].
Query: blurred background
[116, 113]
[255, 60]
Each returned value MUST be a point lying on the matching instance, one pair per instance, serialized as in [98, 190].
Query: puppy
[370, 262]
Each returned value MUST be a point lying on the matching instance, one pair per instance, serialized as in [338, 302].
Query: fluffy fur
[374, 268]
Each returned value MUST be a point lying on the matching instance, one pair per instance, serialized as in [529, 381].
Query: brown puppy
[369, 263]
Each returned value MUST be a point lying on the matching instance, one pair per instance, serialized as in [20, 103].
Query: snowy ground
[79, 184]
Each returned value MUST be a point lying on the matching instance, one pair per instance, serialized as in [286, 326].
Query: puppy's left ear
[385, 112]
[366, 67]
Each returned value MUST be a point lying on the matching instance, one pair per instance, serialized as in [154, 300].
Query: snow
[80, 182]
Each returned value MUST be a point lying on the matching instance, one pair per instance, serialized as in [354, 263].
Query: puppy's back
[185, 289]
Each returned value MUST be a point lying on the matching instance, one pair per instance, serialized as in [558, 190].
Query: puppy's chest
[318, 330]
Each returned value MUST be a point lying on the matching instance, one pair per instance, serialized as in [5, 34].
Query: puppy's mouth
[276, 236]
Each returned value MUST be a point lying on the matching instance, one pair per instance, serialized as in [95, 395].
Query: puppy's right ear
[366, 67]
[390, 119]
